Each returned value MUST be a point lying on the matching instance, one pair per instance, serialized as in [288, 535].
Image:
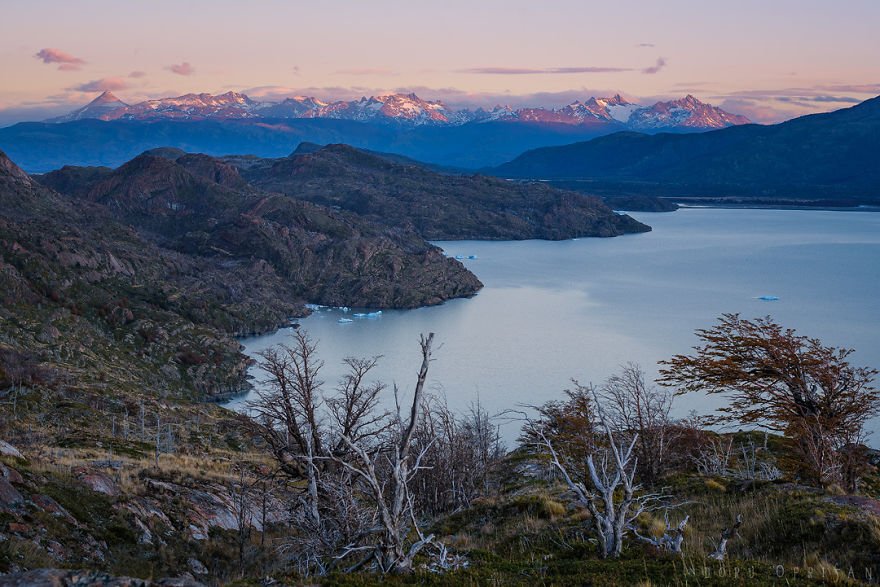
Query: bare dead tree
[386, 475]
[464, 451]
[672, 538]
[286, 415]
[756, 463]
[721, 551]
[635, 407]
[714, 457]
[356, 462]
[611, 471]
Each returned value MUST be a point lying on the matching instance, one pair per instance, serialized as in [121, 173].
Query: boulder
[98, 482]
[9, 496]
[7, 450]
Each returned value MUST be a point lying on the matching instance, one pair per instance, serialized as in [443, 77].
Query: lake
[552, 311]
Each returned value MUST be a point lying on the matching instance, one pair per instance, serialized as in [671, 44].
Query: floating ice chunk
[345, 320]
[359, 315]
[768, 298]
[471, 256]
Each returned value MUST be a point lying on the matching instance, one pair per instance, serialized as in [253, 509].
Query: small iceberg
[471, 256]
[315, 307]
[769, 298]
[460, 257]
[375, 314]
[345, 320]
[345, 309]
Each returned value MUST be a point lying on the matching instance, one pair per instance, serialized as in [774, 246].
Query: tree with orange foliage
[783, 381]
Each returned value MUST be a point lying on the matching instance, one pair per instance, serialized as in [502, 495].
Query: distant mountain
[817, 156]
[409, 109]
[401, 194]
[39, 146]
[100, 108]
[109, 132]
[687, 113]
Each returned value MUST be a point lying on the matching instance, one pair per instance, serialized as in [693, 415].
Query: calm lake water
[552, 311]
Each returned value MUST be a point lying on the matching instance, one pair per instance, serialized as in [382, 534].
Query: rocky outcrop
[95, 519]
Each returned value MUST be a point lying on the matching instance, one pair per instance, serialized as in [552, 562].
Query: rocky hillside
[200, 206]
[140, 277]
[438, 207]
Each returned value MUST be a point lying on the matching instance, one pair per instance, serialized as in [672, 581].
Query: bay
[552, 311]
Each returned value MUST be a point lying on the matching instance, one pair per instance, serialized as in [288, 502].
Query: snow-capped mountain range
[686, 113]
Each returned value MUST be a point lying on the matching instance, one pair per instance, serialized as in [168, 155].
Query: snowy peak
[410, 109]
[97, 108]
[687, 112]
[407, 108]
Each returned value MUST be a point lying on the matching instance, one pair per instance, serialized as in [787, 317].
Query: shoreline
[780, 206]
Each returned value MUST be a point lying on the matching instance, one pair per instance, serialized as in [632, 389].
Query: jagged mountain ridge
[687, 113]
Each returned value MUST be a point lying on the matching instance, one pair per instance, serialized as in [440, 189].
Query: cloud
[66, 61]
[137, 74]
[365, 71]
[660, 64]
[452, 97]
[645, 45]
[103, 85]
[181, 68]
[541, 71]
[820, 99]
[756, 111]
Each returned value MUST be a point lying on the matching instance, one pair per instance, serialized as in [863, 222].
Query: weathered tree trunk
[726, 534]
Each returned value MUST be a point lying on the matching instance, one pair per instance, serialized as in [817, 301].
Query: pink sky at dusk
[767, 60]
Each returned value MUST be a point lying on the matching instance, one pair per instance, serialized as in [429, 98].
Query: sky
[770, 60]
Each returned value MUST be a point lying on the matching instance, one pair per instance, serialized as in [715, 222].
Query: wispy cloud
[181, 68]
[365, 71]
[776, 105]
[65, 61]
[645, 45]
[820, 99]
[111, 84]
[542, 70]
[137, 74]
[660, 64]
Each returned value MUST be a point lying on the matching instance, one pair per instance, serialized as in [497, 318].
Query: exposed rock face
[9, 496]
[100, 520]
[98, 482]
[7, 450]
